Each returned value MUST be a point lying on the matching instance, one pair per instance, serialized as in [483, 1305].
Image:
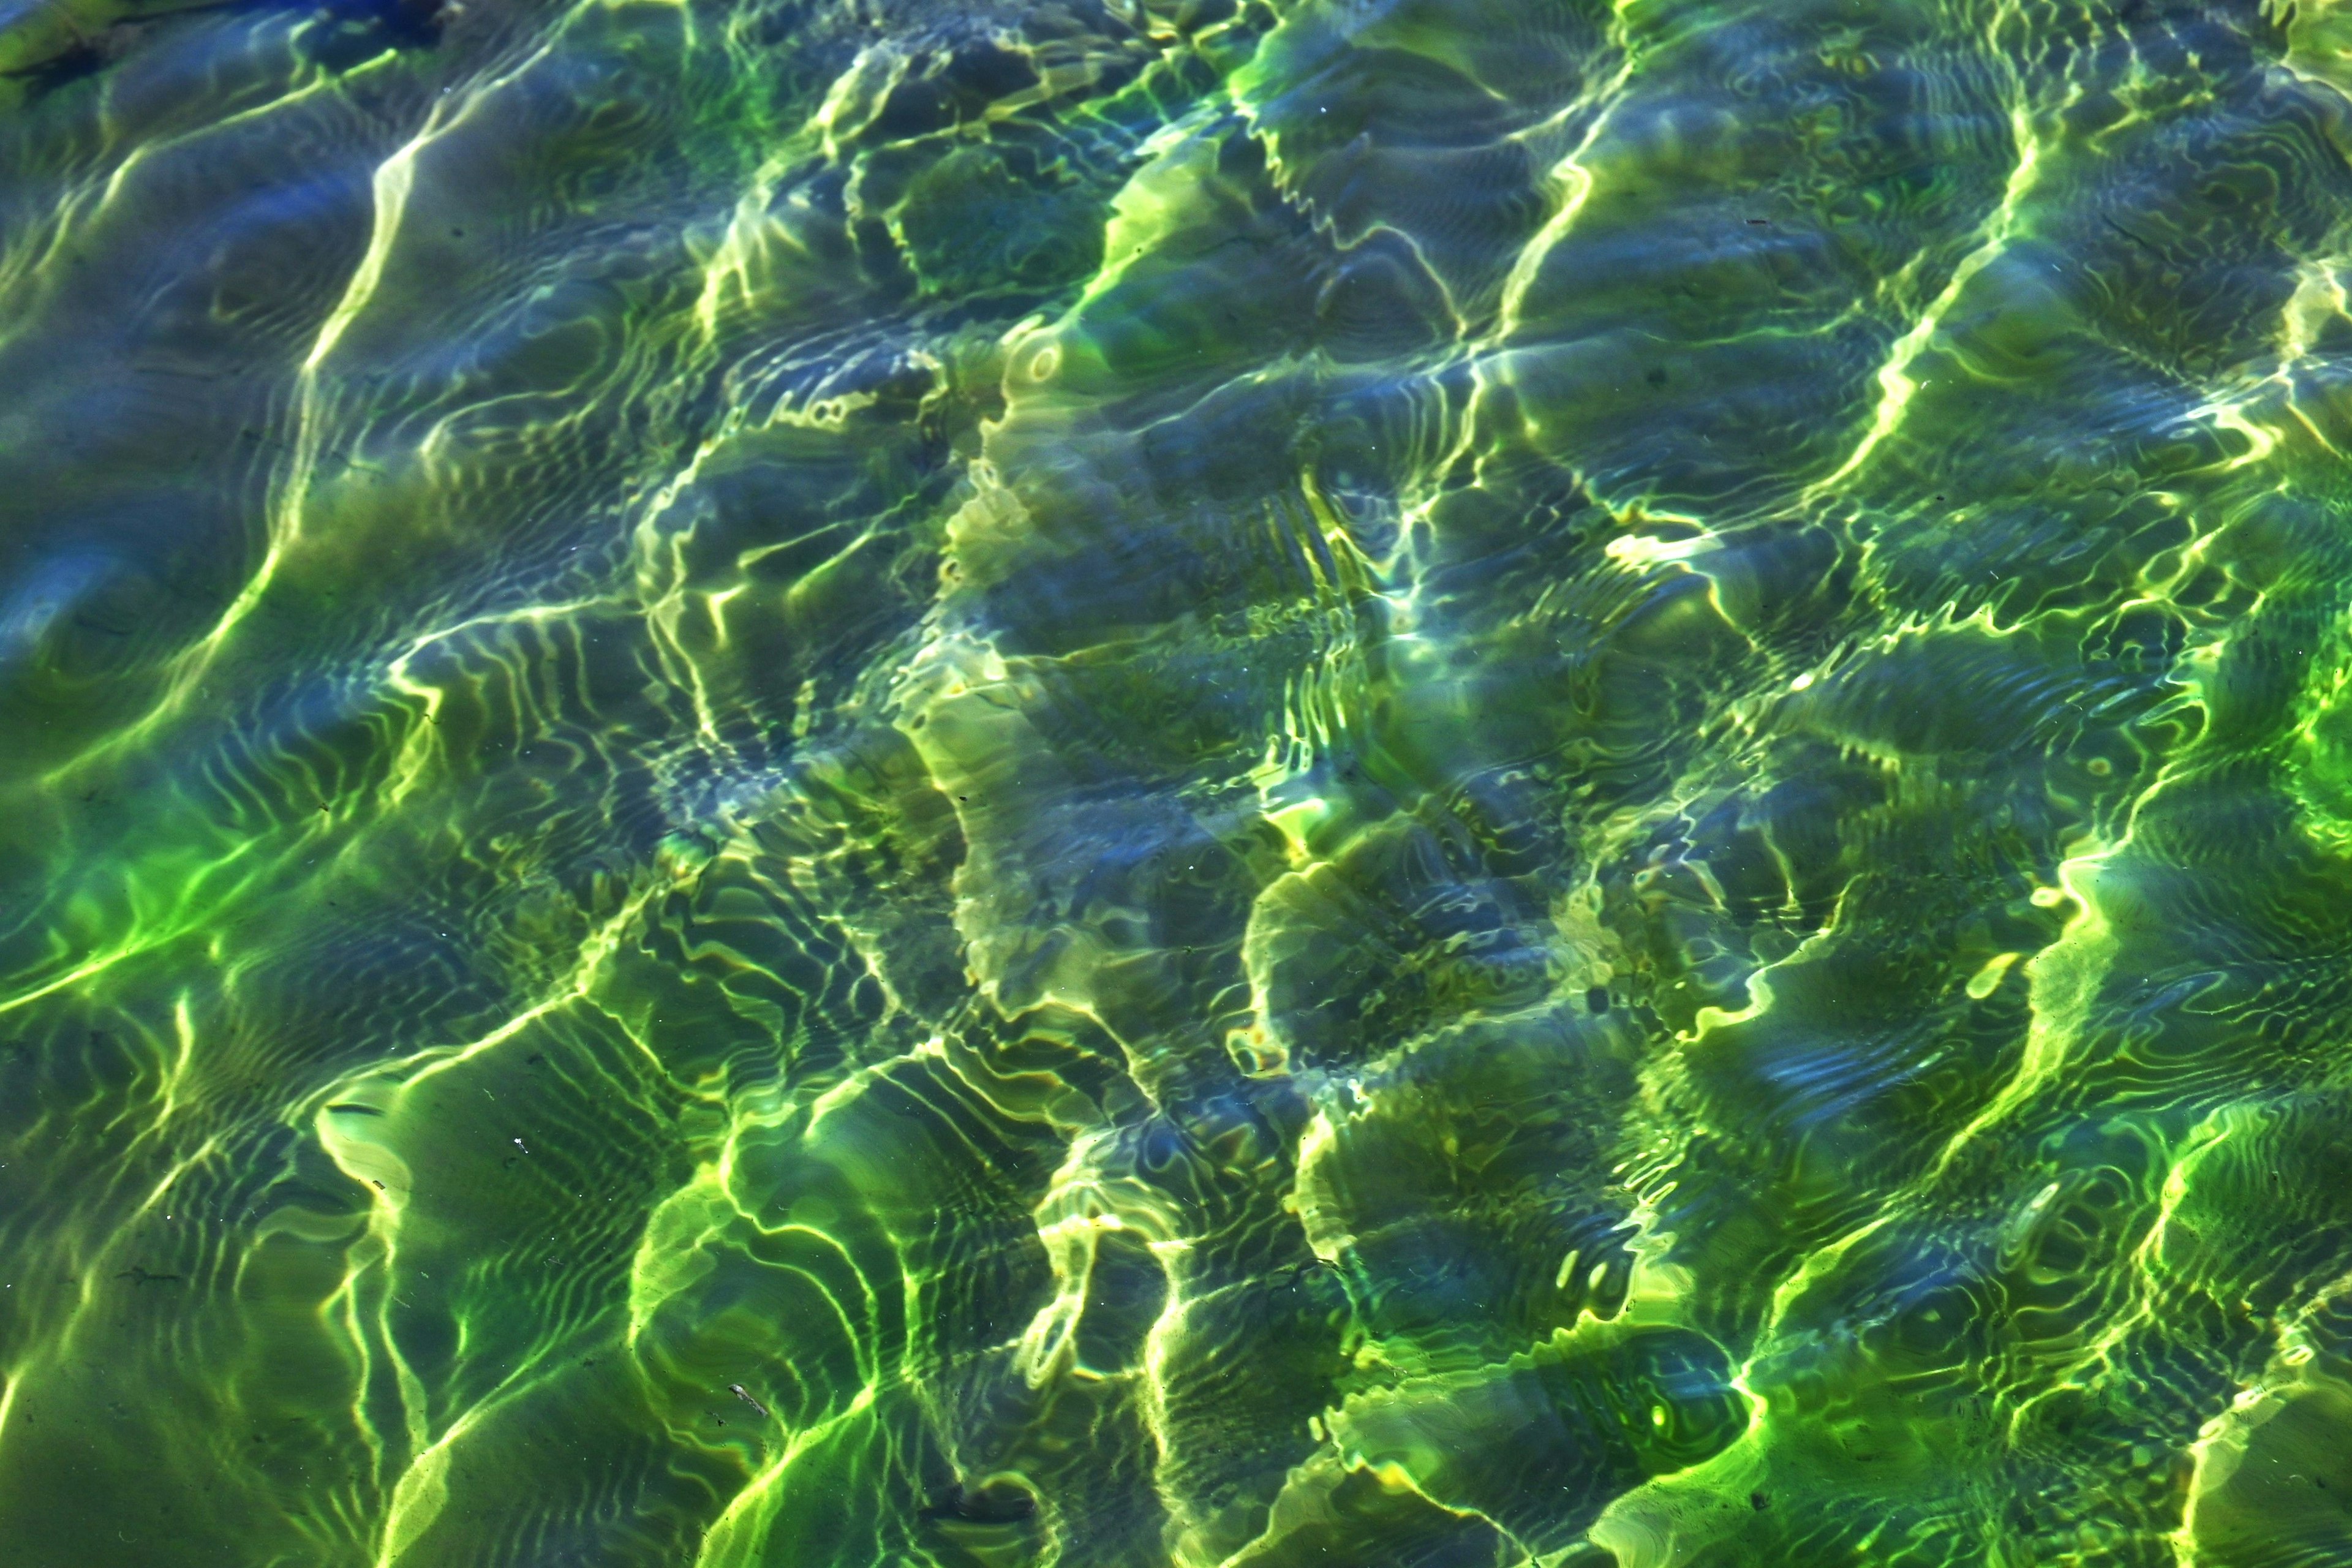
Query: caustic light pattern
[1224, 784]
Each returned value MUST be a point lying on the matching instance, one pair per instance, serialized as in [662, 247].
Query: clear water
[1373, 783]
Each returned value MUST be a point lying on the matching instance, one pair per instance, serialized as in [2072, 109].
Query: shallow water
[1108, 783]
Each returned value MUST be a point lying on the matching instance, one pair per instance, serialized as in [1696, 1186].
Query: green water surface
[1176, 783]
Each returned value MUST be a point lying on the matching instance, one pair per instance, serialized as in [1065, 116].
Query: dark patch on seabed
[1225, 784]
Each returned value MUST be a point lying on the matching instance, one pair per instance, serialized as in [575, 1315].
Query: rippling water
[1373, 783]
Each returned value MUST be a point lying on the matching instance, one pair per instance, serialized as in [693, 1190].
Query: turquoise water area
[1176, 783]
